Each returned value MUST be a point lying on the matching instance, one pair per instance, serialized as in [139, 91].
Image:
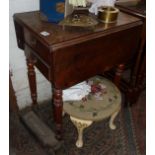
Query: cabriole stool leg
[80, 125]
[112, 118]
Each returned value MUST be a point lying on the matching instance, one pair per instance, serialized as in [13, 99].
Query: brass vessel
[107, 14]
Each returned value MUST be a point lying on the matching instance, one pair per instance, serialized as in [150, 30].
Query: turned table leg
[118, 74]
[80, 125]
[141, 73]
[58, 109]
[32, 80]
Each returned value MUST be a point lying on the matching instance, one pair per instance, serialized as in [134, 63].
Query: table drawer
[43, 67]
[40, 48]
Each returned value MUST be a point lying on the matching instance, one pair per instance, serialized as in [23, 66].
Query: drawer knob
[33, 41]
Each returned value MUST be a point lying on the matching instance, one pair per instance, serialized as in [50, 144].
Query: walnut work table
[69, 55]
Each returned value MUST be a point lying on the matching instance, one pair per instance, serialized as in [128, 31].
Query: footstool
[103, 101]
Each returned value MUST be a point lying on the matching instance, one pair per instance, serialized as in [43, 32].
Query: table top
[103, 100]
[65, 36]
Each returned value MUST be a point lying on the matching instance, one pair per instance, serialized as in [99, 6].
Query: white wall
[17, 59]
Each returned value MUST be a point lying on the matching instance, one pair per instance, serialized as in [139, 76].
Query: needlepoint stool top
[103, 100]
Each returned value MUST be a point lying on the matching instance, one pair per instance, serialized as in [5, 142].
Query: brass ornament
[107, 14]
[81, 20]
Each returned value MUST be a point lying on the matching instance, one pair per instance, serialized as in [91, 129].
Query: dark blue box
[52, 10]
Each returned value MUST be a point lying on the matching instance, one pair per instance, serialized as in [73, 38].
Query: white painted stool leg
[112, 118]
[80, 125]
[63, 113]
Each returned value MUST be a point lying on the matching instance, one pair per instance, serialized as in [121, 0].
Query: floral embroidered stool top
[103, 101]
